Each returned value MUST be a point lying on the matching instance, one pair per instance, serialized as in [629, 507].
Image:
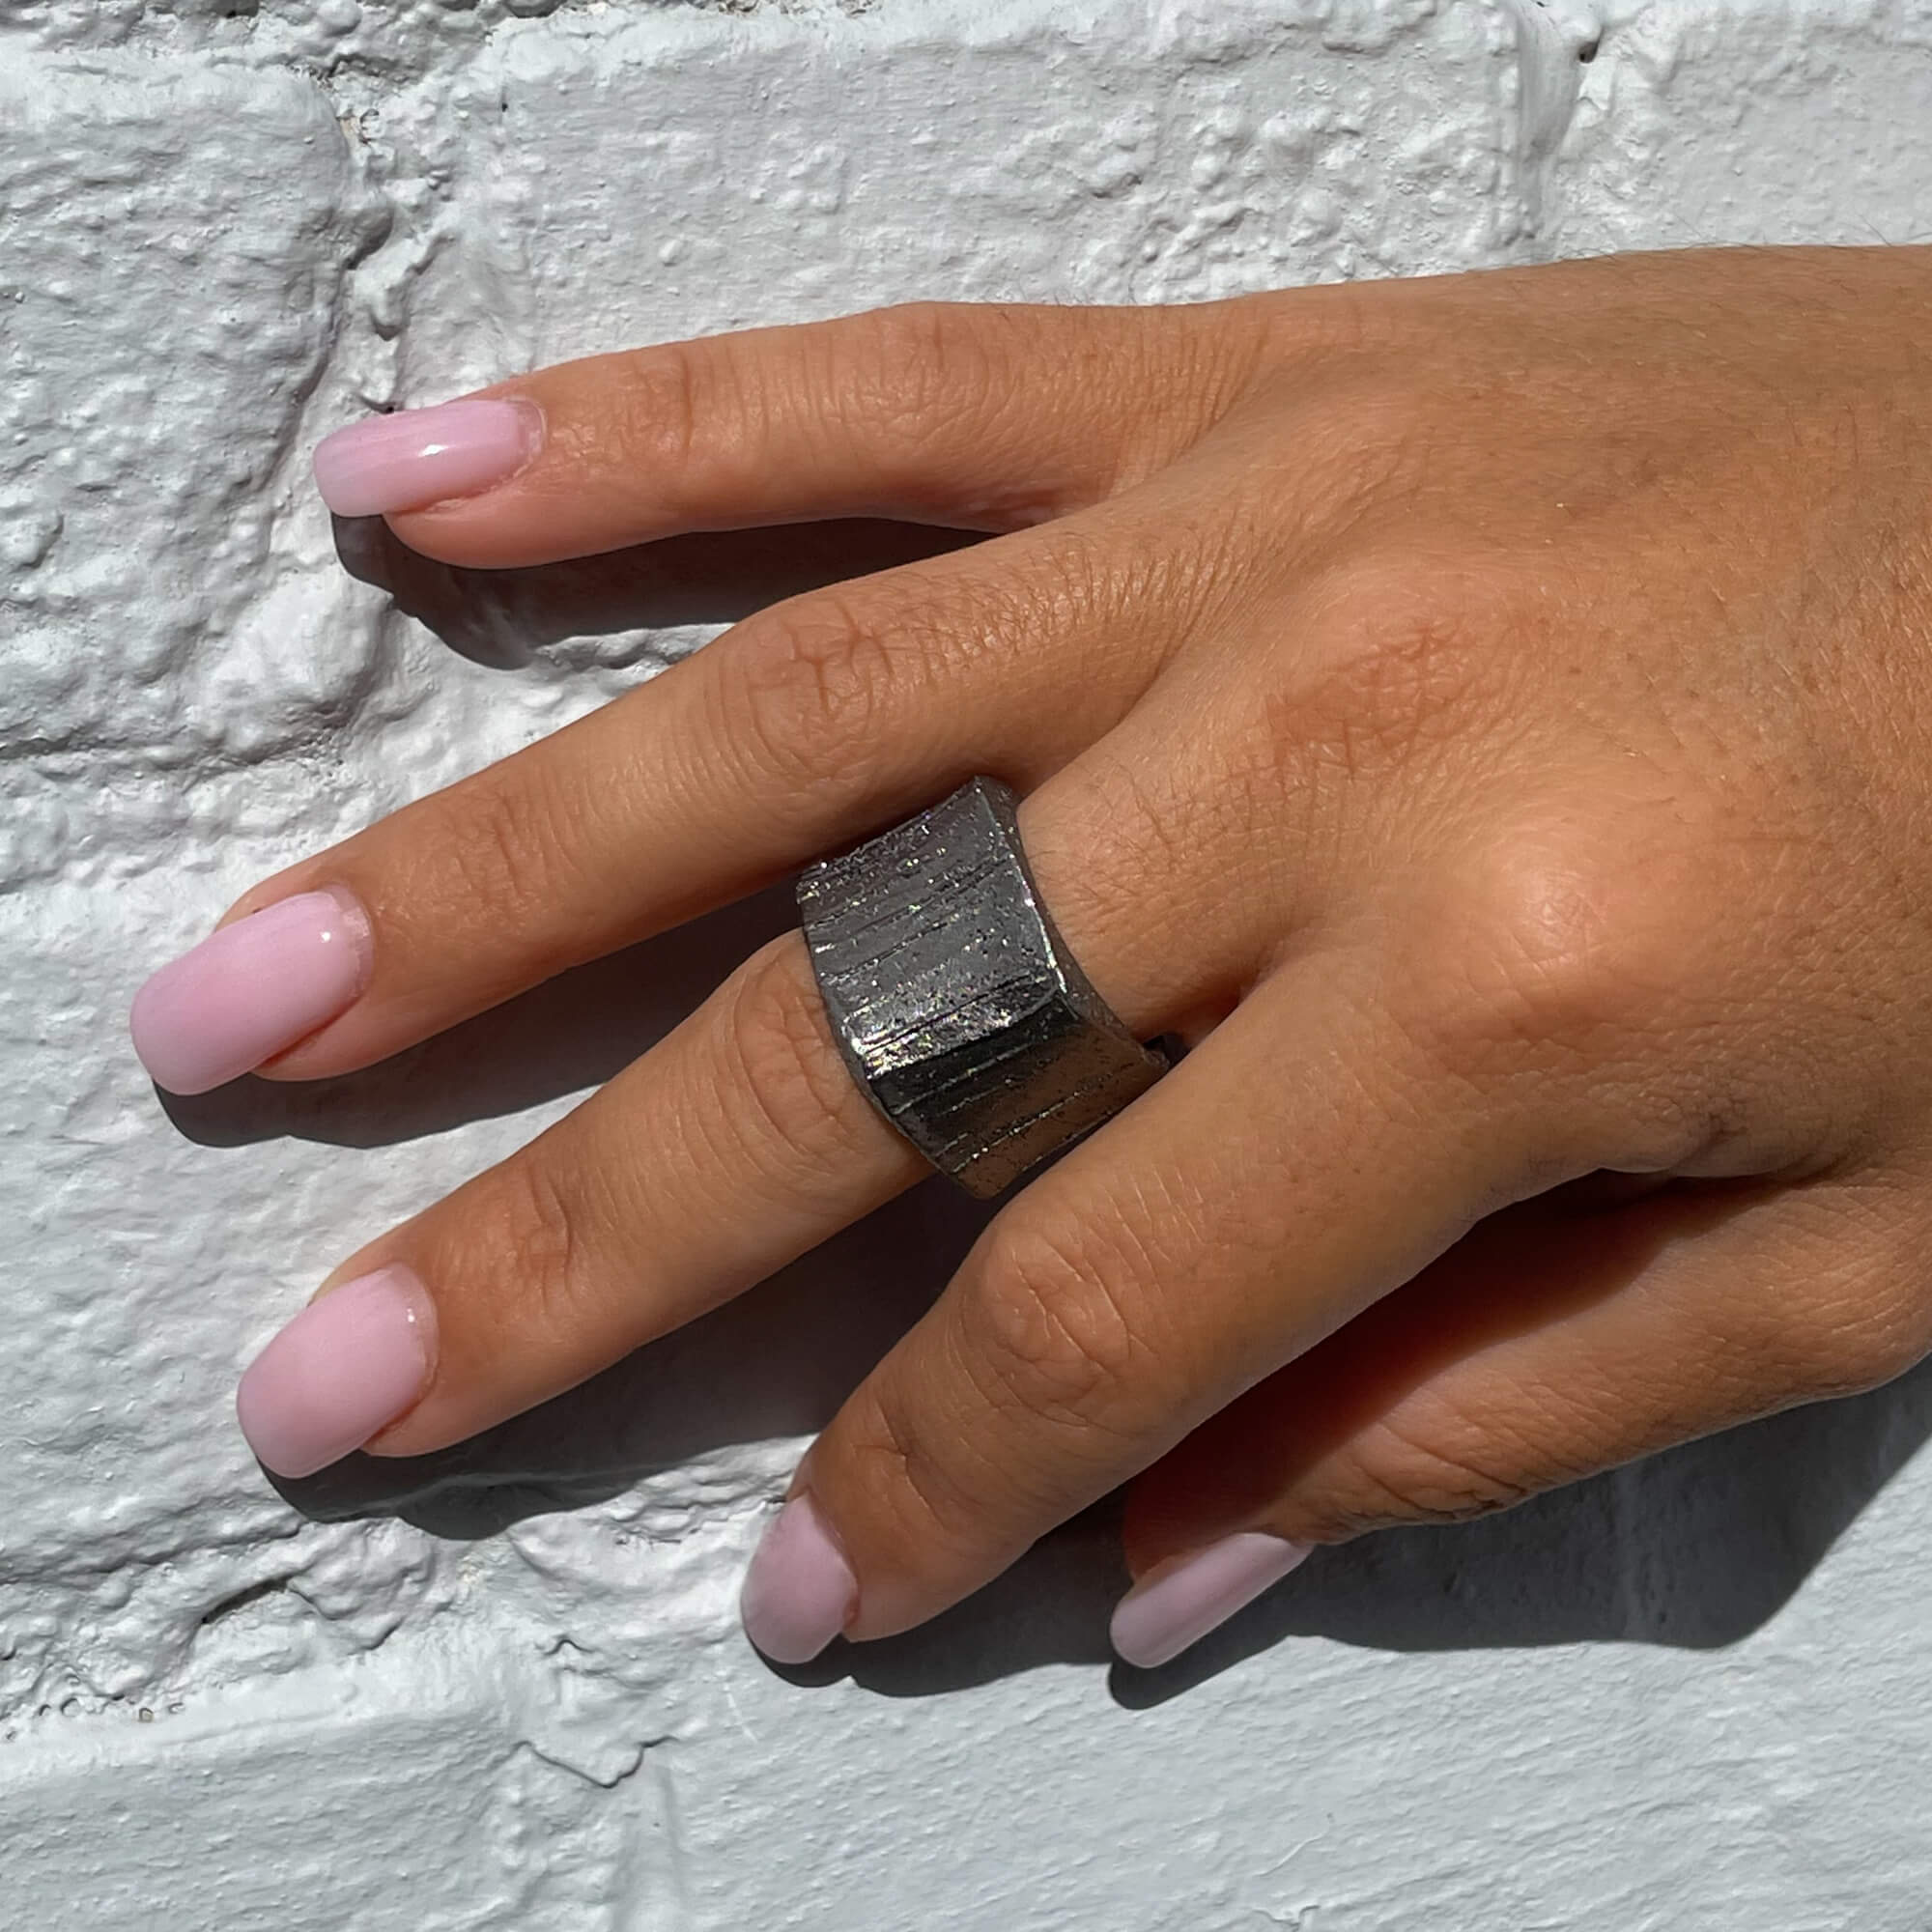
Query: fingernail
[1179, 1602]
[800, 1591]
[346, 1367]
[418, 457]
[250, 989]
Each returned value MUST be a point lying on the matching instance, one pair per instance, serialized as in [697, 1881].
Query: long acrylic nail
[1179, 1602]
[344, 1369]
[800, 1591]
[418, 457]
[250, 989]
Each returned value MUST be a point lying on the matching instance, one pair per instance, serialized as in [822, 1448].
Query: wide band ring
[955, 1002]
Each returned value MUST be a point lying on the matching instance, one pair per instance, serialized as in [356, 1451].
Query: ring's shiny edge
[827, 888]
[1005, 802]
[991, 1166]
[836, 1013]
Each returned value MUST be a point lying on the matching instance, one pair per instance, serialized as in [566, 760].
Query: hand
[1492, 716]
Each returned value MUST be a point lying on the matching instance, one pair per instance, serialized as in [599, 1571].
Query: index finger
[983, 416]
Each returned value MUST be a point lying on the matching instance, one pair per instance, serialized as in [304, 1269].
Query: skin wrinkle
[886, 1436]
[1050, 1325]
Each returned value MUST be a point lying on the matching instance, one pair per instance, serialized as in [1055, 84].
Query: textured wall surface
[503, 1688]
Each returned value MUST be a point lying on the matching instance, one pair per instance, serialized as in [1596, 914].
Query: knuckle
[905, 1475]
[1392, 1475]
[916, 369]
[1564, 949]
[675, 401]
[1866, 1348]
[1573, 928]
[526, 1219]
[1393, 651]
[1049, 1328]
[797, 1111]
[501, 842]
[1858, 1321]
[1369, 439]
[809, 694]
[816, 696]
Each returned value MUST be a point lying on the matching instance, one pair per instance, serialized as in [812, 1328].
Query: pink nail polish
[800, 1591]
[345, 1368]
[250, 989]
[1179, 1602]
[418, 457]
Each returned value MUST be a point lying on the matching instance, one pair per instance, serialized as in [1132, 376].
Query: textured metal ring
[955, 1002]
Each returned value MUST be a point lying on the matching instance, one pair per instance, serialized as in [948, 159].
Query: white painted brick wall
[504, 1688]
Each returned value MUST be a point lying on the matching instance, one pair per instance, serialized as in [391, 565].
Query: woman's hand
[1491, 715]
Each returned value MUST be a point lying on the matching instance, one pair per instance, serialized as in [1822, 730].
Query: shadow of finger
[503, 618]
[564, 1037]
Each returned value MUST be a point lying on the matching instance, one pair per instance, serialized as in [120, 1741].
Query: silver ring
[955, 1002]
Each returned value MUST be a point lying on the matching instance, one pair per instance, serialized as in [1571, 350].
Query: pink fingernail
[1179, 1602]
[800, 1591]
[345, 1368]
[418, 457]
[251, 989]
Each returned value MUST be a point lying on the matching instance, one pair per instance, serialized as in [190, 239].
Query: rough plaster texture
[503, 1688]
